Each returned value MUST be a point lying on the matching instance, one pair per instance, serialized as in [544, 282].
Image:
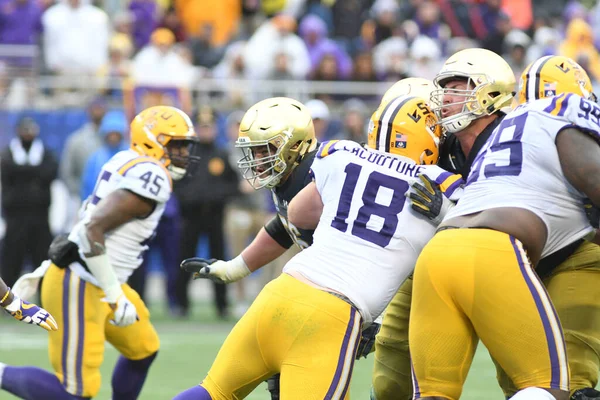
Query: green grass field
[188, 348]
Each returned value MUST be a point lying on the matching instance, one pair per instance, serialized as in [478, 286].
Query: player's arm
[271, 242]
[24, 311]
[579, 155]
[305, 209]
[116, 209]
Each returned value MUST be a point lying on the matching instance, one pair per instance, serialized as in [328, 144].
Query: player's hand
[216, 270]
[367, 340]
[124, 312]
[592, 212]
[31, 314]
[428, 200]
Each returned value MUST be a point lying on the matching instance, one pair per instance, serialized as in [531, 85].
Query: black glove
[592, 212]
[367, 341]
[63, 252]
[199, 268]
[427, 198]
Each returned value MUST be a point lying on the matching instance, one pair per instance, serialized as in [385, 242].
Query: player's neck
[467, 136]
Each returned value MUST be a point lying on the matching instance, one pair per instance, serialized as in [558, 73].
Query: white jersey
[368, 237]
[126, 245]
[519, 167]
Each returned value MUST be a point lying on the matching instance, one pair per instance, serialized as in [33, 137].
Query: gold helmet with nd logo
[274, 135]
[490, 87]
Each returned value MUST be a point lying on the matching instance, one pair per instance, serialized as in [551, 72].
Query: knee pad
[533, 393]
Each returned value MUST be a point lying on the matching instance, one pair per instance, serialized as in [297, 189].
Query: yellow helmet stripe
[386, 121]
[532, 91]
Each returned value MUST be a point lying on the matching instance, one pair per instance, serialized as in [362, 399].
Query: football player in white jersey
[23, 311]
[306, 324]
[85, 285]
[475, 279]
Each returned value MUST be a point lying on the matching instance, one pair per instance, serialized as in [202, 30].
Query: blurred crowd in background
[74, 72]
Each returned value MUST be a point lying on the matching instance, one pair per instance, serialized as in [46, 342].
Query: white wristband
[15, 305]
[237, 269]
[100, 267]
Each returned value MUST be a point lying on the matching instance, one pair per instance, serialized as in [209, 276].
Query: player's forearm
[262, 251]
[6, 296]
[92, 244]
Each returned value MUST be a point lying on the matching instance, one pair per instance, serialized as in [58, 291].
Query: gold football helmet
[490, 87]
[407, 127]
[167, 135]
[419, 87]
[552, 75]
[274, 135]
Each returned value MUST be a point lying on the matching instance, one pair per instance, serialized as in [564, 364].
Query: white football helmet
[490, 87]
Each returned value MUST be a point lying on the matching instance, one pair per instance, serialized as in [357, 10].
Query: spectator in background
[78, 148]
[204, 53]
[546, 41]
[516, 43]
[145, 20]
[76, 36]
[113, 130]
[232, 67]
[579, 43]
[348, 19]
[429, 22]
[223, 15]
[425, 57]
[119, 64]
[363, 70]
[203, 197]
[321, 116]
[354, 121]
[495, 41]
[314, 33]
[390, 59]
[21, 24]
[273, 37]
[27, 169]
[171, 22]
[385, 14]
[158, 64]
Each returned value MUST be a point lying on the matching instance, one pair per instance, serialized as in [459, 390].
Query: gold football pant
[306, 334]
[573, 288]
[472, 284]
[77, 349]
[391, 369]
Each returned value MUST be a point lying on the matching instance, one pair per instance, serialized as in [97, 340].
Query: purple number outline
[514, 144]
[389, 213]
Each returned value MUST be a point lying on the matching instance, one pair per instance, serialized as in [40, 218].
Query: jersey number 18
[389, 213]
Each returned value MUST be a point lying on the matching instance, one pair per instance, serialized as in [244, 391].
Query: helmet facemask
[262, 164]
[181, 158]
[482, 97]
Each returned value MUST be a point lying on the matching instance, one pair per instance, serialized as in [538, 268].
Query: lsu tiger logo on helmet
[407, 127]
[274, 136]
[166, 134]
[489, 87]
[553, 75]
[419, 87]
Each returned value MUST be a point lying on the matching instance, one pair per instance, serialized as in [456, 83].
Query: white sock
[533, 393]
[2, 366]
